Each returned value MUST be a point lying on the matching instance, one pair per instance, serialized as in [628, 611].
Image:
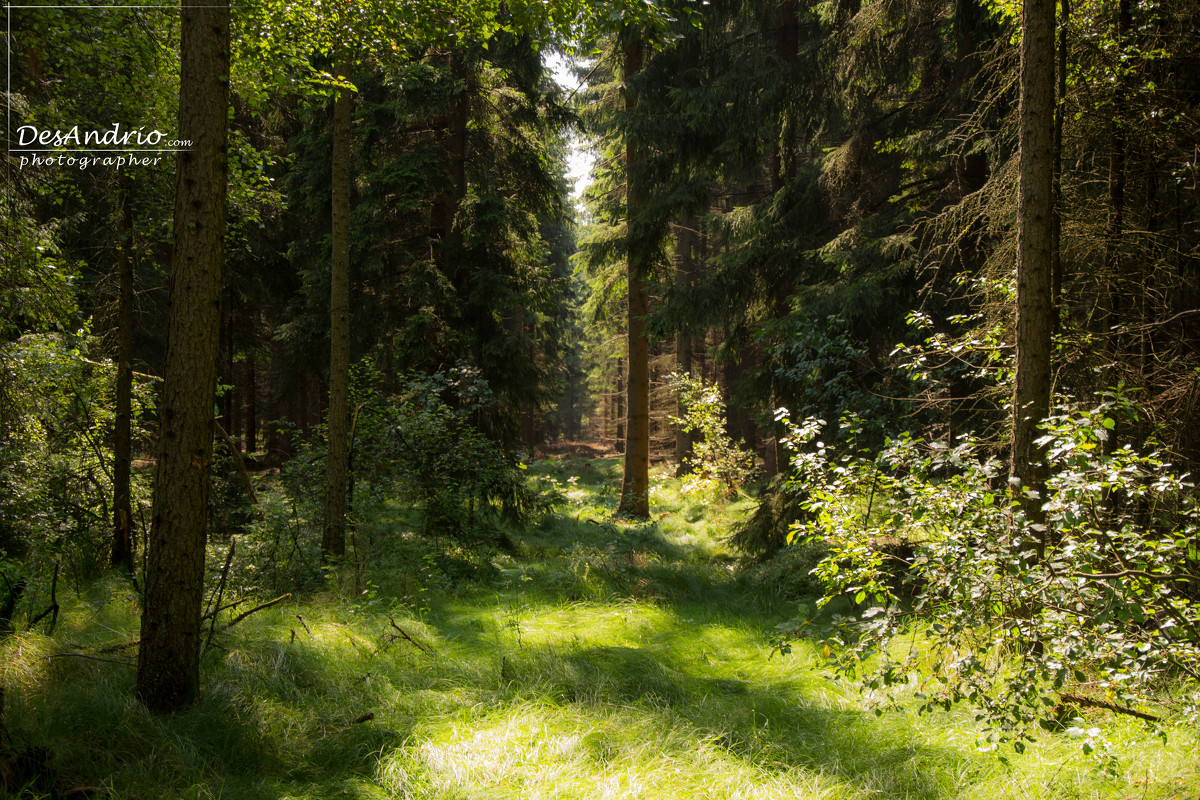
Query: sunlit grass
[602, 659]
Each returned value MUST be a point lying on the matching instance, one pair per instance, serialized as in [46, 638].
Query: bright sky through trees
[581, 159]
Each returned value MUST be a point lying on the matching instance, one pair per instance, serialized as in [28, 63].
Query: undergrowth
[594, 658]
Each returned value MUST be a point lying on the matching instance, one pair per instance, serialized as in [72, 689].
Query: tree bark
[1035, 209]
[168, 673]
[1060, 112]
[333, 537]
[635, 486]
[122, 545]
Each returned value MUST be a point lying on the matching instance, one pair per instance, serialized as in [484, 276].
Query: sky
[580, 160]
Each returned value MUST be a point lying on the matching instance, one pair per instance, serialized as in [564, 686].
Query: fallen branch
[225, 607]
[404, 635]
[212, 628]
[345, 726]
[241, 465]
[257, 608]
[53, 609]
[1091, 702]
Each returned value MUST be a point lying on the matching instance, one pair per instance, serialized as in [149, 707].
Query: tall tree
[168, 674]
[635, 485]
[1035, 211]
[122, 545]
[333, 538]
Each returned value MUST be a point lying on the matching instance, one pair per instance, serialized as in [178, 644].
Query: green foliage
[765, 533]
[648, 677]
[55, 468]
[822, 371]
[421, 447]
[460, 479]
[940, 584]
[718, 466]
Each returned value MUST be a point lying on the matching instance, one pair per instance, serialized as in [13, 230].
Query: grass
[600, 659]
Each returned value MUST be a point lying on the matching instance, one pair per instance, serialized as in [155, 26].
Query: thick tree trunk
[333, 537]
[168, 673]
[122, 545]
[635, 486]
[1035, 209]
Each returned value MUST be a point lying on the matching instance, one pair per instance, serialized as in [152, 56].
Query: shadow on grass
[662, 671]
[674, 647]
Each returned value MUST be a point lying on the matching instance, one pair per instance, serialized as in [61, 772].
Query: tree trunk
[1035, 209]
[333, 537]
[635, 486]
[225, 403]
[250, 410]
[686, 248]
[781, 160]
[168, 673]
[1060, 111]
[446, 203]
[1116, 174]
[619, 408]
[122, 545]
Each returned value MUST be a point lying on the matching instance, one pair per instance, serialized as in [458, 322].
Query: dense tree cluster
[946, 217]
[817, 183]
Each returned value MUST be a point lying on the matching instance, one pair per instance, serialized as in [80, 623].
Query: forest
[833, 437]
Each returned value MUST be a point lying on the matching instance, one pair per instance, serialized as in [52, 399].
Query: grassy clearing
[598, 660]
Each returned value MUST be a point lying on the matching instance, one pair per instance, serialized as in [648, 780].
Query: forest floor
[598, 659]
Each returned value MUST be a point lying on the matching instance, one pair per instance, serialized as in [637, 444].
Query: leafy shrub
[765, 532]
[1016, 619]
[783, 503]
[821, 371]
[459, 479]
[422, 445]
[718, 465]
[55, 466]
